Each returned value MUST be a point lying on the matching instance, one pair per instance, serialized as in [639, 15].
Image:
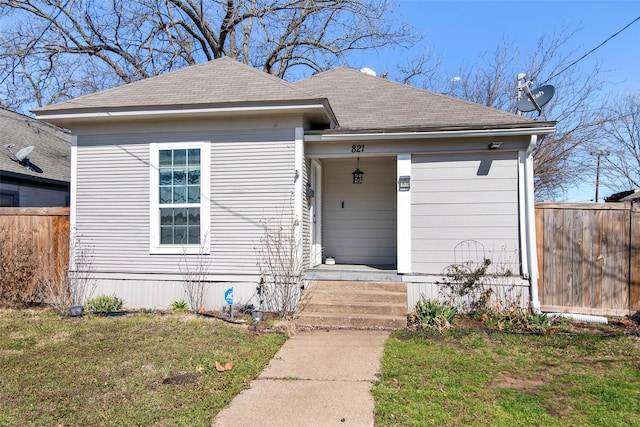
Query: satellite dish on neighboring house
[533, 99]
[23, 155]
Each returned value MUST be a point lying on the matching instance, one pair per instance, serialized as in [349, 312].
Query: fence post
[634, 259]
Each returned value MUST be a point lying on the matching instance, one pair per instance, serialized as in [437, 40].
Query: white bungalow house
[193, 160]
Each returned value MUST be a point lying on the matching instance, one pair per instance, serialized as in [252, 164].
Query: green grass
[507, 380]
[139, 369]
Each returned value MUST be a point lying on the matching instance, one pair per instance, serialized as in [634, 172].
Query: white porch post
[299, 187]
[522, 213]
[404, 217]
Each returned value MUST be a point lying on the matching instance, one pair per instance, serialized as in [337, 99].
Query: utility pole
[598, 155]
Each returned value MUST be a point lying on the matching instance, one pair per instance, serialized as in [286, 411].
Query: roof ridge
[262, 74]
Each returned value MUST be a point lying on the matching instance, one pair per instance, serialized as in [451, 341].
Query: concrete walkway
[317, 378]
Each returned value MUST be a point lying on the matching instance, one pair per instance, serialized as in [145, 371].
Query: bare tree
[56, 49]
[577, 106]
[621, 144]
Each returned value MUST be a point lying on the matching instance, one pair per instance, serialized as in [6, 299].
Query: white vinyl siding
[458, 197]
[251, 182]
[359, 220]
[251, 179]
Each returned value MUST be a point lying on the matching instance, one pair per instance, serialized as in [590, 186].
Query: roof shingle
[221, 81]
[362, 101]
[358, 100]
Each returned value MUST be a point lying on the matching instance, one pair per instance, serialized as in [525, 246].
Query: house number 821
[357, 148]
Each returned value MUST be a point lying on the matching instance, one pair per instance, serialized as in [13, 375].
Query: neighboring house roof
[631, 197]
[351, 100]
[51, 153]
[624, 196]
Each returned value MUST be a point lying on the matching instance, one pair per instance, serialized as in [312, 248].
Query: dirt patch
[525, 385]
[182, 379]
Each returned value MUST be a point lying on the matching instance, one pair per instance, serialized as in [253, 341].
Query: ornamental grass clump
[104, 304]
[432, 315]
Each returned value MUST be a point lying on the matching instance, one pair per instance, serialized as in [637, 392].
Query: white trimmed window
[179, 191]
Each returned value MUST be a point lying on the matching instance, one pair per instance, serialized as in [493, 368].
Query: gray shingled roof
[52, 152]
[359, 101]
[363, 101]
[221, 81]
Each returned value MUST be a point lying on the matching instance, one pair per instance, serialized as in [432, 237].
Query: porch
[354, 272]
[354, 296]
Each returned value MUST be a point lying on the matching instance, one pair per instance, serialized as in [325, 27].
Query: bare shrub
[477, 284]
[280, 265]
[194, 269]
[19, 266]
[69, 282]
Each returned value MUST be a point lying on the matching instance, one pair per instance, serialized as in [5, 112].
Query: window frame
[155, 247]
[15, 198]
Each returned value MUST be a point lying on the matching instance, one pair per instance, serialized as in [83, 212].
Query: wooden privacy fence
[589, 257]
[45, 229]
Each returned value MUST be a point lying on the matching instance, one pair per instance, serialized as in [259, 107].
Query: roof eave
[318, 110]
[535, 128]
[34, 179]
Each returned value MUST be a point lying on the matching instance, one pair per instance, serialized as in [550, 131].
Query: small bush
[18, 269]
[179, 306]
[433, 315]
[104, 304]
[516, 319]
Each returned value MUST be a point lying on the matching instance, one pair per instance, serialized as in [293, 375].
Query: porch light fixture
[404, 183]
[358, 175]
[495, 145]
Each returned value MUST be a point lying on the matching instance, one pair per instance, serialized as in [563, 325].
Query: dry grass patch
[139, 369]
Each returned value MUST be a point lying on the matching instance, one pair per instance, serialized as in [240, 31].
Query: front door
[359, 219]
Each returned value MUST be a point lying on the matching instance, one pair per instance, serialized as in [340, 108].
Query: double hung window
[179, 197]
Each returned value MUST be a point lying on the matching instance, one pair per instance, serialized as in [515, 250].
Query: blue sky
[458, 31]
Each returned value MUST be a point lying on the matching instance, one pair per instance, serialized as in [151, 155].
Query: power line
[593, 50]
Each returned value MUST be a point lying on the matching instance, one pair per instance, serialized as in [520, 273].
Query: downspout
[530, 214]
[73, 189]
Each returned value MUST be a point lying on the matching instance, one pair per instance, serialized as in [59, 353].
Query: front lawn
[501, 379]
[138, 369]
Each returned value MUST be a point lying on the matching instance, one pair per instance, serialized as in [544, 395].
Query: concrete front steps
[354, 304]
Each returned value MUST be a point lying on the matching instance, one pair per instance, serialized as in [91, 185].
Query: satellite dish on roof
[369, 71]
[536, 98]
[533, 99]
[23, 154]
[22, 157]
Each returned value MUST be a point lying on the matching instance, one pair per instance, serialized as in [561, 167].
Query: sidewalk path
[318, 378]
